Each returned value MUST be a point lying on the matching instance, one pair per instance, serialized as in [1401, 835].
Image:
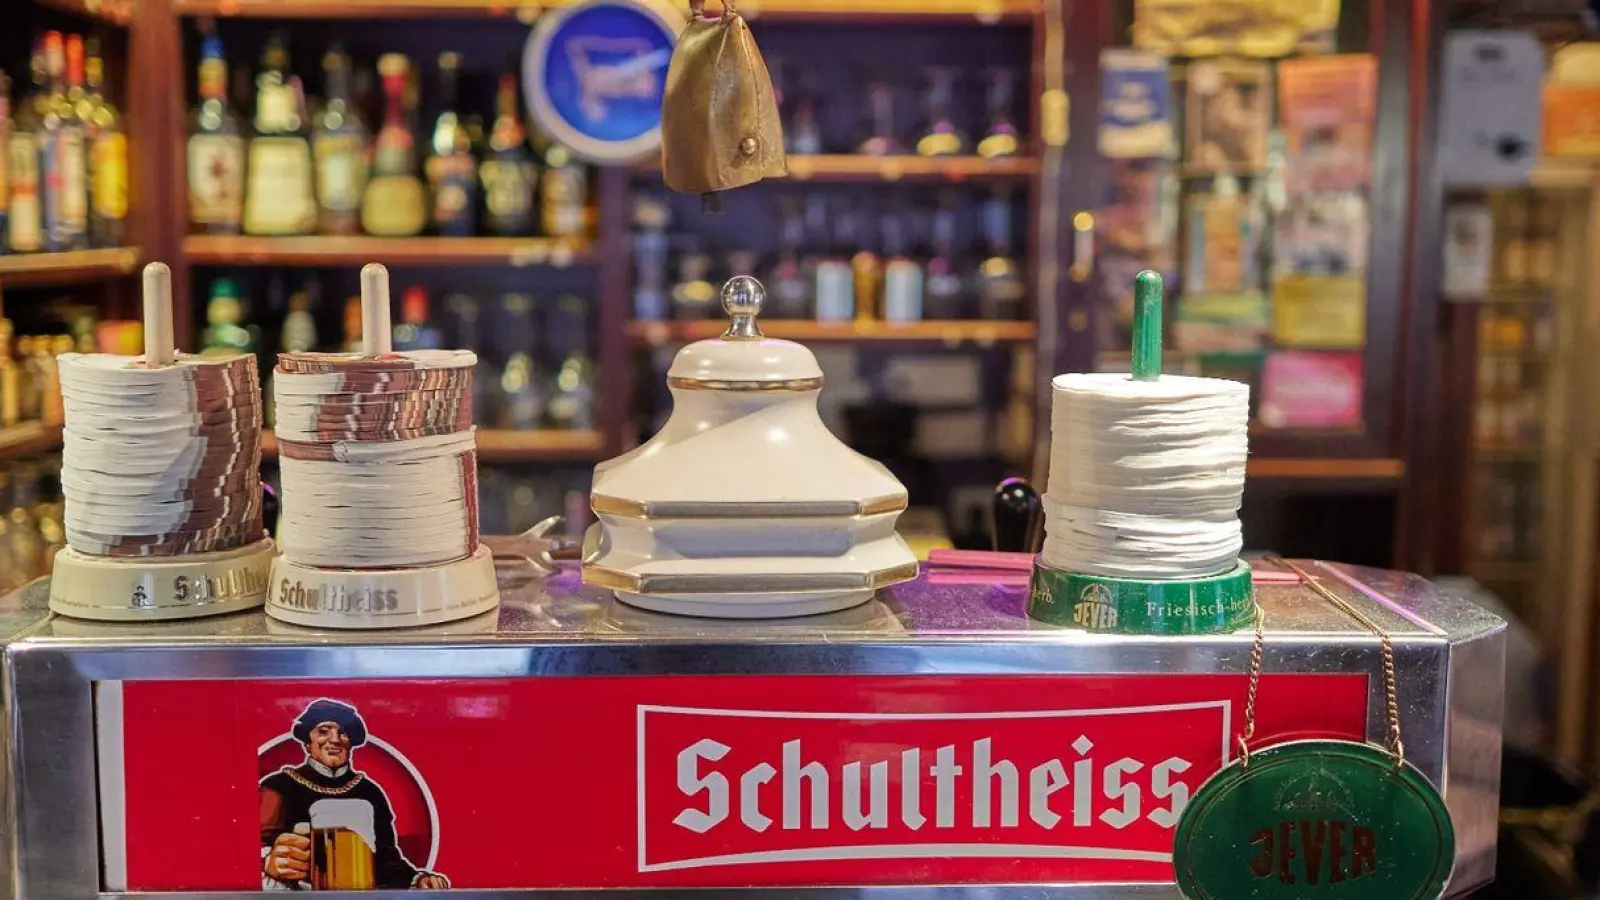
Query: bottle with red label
[63, 150]
[25, 225]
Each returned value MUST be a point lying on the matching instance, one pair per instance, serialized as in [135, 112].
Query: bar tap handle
[1018, 517]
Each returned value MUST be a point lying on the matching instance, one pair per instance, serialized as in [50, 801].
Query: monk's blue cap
[341, 714]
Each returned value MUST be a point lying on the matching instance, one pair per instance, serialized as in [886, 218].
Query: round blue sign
[594, 74]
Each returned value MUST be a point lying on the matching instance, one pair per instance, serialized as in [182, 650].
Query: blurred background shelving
[951, 151]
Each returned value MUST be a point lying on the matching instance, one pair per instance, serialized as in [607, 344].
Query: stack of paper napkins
[1146, 477]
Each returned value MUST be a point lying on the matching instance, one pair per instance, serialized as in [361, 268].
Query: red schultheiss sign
[650, 781]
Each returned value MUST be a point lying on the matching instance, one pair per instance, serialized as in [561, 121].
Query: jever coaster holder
[1211, 605]
[1316, 819]
[154, 588]
[390, 597]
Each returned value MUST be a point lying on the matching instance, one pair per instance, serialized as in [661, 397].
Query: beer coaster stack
[160, 469]
[1142, 531]
[378, 460]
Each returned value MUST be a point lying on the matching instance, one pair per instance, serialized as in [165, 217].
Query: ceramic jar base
[747, 606]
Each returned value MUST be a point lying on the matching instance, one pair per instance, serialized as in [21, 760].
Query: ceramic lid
[742, 358]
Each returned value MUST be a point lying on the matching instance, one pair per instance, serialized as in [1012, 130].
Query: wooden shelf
[951, 333]
[1343, 469]
[980, 11]
[325, 250]
[858, 167]
[117, 12]
[76, 266]
[497, 445]
[28, 438]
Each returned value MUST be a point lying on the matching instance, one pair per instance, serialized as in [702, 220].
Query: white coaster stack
[161, 472]
[1146, 477]
[380, 484]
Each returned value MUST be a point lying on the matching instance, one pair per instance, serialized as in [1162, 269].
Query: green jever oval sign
[1315, 820]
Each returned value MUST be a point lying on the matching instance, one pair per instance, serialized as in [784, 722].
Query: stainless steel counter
[1449, 655]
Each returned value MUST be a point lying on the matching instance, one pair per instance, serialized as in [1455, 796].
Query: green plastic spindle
[1147, 326]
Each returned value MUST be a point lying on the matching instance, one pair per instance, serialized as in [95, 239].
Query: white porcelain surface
[744, 447]
[768, 359]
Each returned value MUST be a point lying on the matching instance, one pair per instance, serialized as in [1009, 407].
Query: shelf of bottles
[64, 203]
[303, 165]
[1517, 413]
[1239, 158]
[291, 190]
[977, 11]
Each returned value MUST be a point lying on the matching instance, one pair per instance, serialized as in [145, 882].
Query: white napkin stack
[1146, 477]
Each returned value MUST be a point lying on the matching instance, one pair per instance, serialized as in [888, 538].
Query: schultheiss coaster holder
[217, 405]
[1316, 819]
[1210, 604]
[410, 563]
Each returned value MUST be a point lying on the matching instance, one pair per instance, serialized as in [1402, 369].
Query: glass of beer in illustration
[342, 837]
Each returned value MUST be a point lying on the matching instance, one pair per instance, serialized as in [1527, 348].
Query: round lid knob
[742, 299]
[742, 358]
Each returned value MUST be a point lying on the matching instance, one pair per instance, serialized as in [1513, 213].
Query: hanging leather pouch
[719, 117]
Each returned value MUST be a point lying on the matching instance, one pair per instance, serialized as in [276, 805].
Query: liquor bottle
[880, 105]
[650, 218]
[452, 174]
[788, 291]
[507, 171]
[216, 149]
[10, 379]
[5, 179]
[339, 144]
[945, 290]
[393, 205]
[414, 332]
[693, 295]
[299, 334]
[1002, 138]
[836, 289]
[866, 273]
[108, 156]
[280, 184]
[804, 134]
[62, 154]
[1000, 287]
[563, 190]
[572, 401]
[224, 334]
[522, 392]
[25, 225]
[902, 276]
[941, 138]
[352, 325]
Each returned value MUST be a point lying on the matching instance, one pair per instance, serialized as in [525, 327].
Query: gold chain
[1256, 652]
[1391, 691]
[321, 789]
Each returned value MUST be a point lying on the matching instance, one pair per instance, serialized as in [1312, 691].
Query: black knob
[270, 507]
[1018, 517]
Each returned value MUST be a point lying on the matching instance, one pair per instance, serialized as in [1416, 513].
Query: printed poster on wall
[630, 782]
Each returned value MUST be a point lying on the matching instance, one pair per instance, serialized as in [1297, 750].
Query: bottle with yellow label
[108, 157]
[279, 194]
[393, 204]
